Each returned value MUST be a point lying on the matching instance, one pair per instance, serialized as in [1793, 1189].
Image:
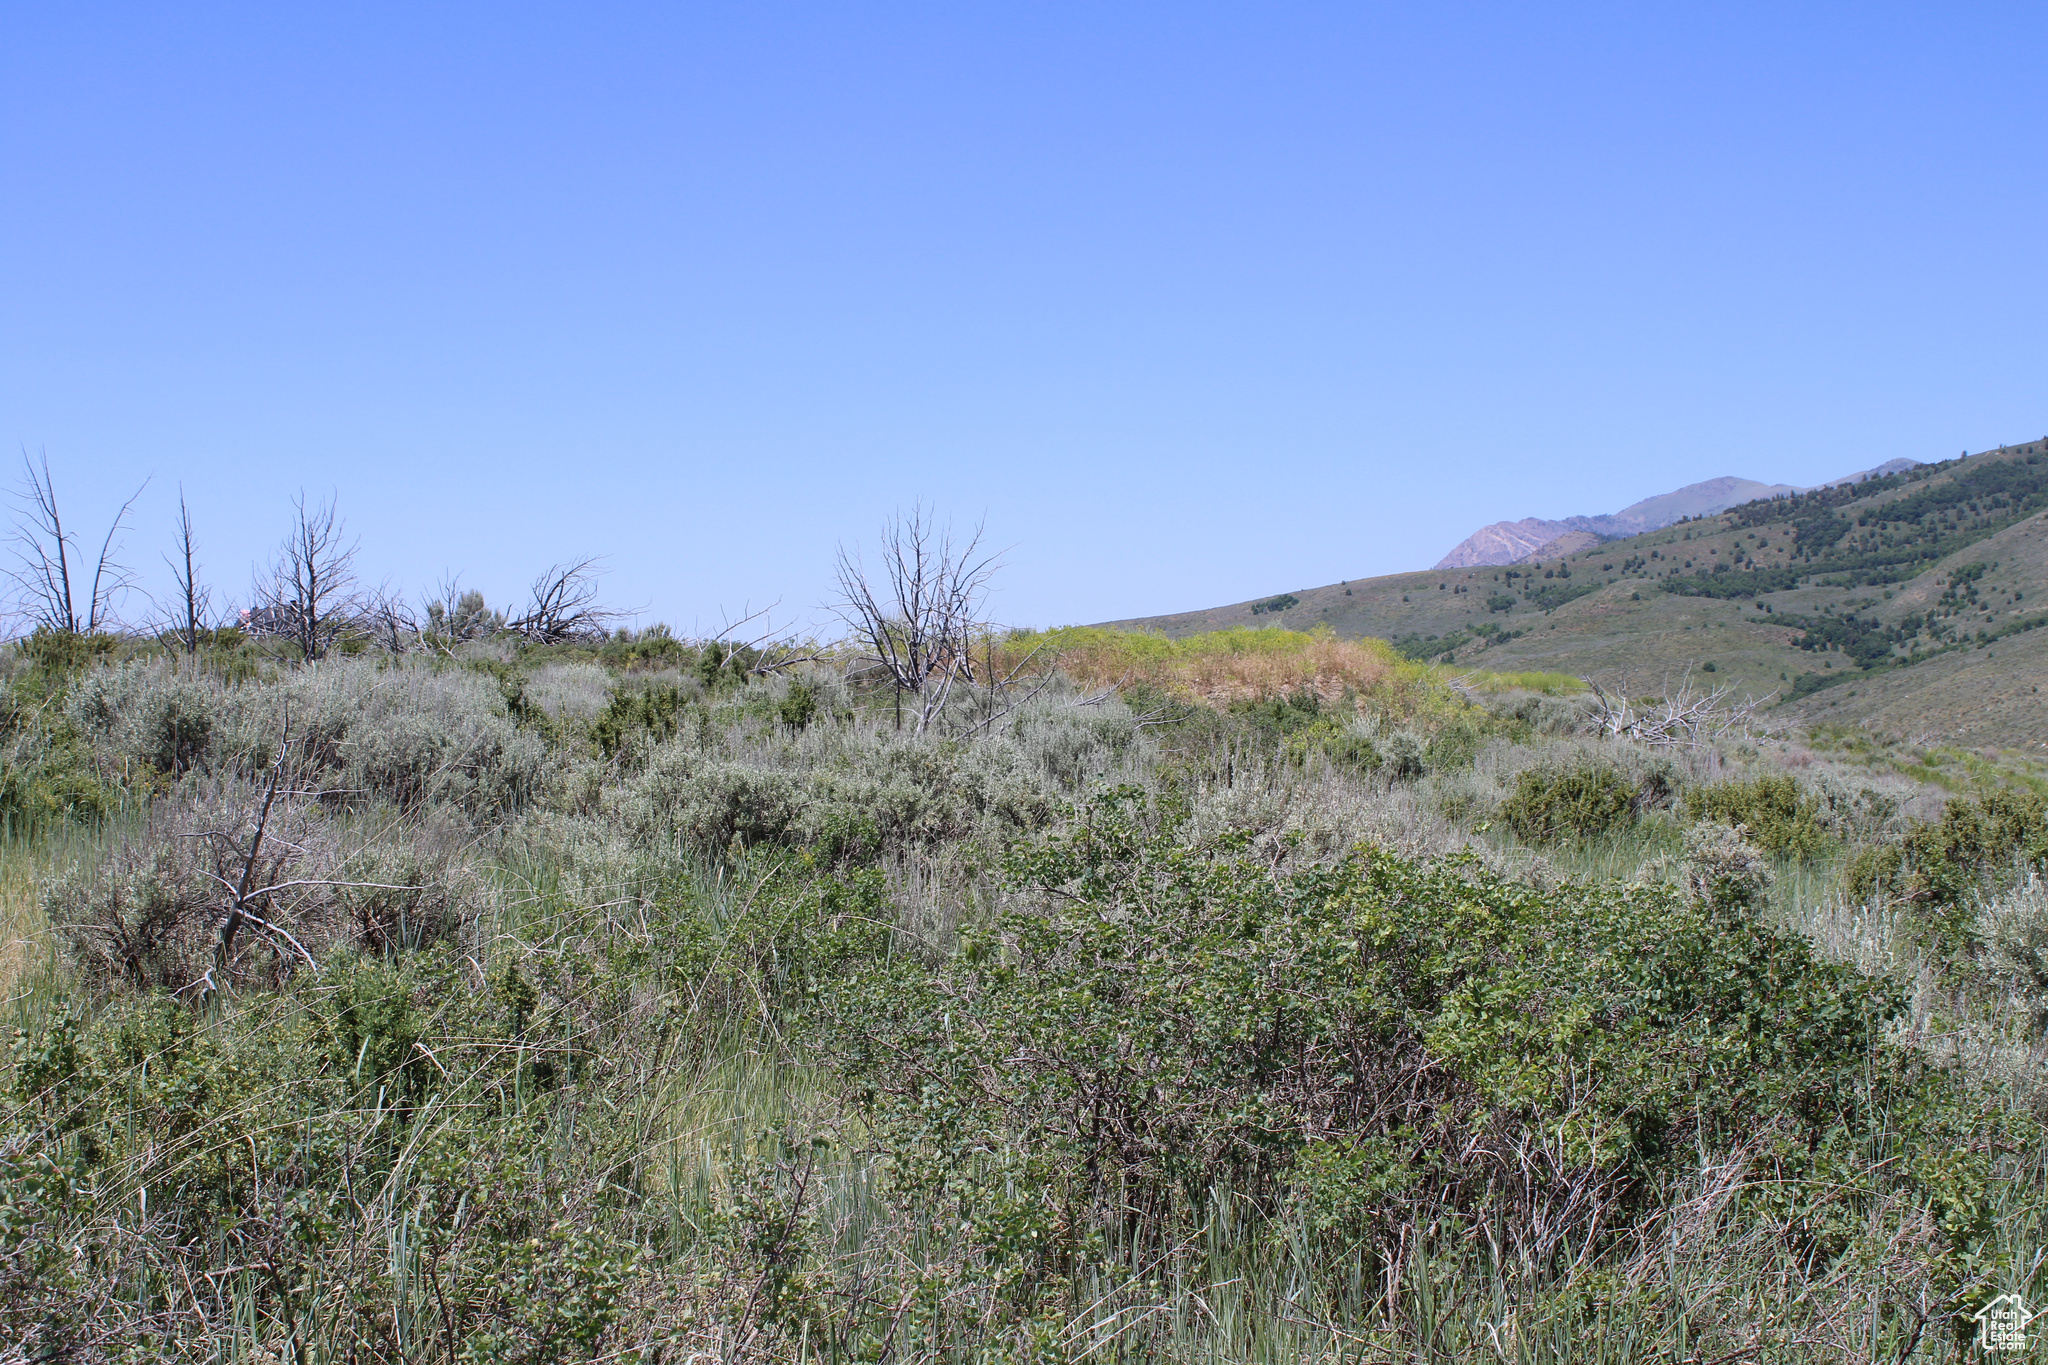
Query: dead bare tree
[1681, 717]
[309, 595]
[563, 606]
[47, 584]
[396, 628]
[1004, 683]
[918, 624]
[194, 600]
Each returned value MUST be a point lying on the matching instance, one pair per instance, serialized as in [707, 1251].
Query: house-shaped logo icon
[2002, 1324]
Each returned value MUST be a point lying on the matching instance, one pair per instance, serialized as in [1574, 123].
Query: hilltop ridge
[1910, 597]
[1511, 542]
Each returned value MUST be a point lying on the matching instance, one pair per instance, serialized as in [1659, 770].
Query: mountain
[1511, 542]
[1914, 599]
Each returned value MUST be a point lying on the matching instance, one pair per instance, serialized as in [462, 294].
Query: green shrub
[56, 784]
[879, 794]
[1282, 713]
[179, 1147]
[1723, 870]
[1576, 802]
[641, 714]
[1939, 862]
[798, 707]
[1365, 1041]
[1782, 819]
[64, 651]
[1871, 869]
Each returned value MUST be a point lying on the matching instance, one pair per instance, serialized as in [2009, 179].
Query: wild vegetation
[472, 991]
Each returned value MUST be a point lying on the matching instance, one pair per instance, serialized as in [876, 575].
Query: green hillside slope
[1916, 601]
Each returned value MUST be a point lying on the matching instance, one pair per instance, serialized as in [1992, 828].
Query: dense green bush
[1388, 1044]
[1783, 820]
[646, 714]
[1938, 862]
[262, 1134]
[62, 651]
[1577, 802]
[58, 783]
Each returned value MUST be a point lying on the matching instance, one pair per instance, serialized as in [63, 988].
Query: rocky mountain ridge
[1513, 542]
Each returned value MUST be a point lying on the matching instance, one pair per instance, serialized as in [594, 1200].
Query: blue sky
[1193, 302]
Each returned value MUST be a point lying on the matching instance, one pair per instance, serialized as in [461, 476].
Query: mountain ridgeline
[1913, 597]
[1511, 542]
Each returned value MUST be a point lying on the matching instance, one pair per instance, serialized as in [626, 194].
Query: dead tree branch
[46, 582]
[563, 606]
[1679, 718]
[194, 601]
[254, 883]
[766, 651]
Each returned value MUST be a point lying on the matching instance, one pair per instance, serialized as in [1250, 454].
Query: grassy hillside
[1912, 601]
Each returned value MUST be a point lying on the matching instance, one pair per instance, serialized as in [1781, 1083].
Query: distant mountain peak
[1511, 542]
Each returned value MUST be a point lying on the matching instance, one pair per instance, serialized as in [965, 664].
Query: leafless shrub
[48, 583]
[391, 622]
[757, 646]
[234, 881]
[193, 603]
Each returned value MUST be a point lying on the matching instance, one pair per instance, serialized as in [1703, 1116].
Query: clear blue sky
[1194, 302]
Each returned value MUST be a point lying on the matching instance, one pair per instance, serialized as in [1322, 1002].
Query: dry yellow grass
[1242, 663]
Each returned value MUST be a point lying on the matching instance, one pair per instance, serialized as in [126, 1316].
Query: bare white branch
[563, 606]
[1680, 717]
